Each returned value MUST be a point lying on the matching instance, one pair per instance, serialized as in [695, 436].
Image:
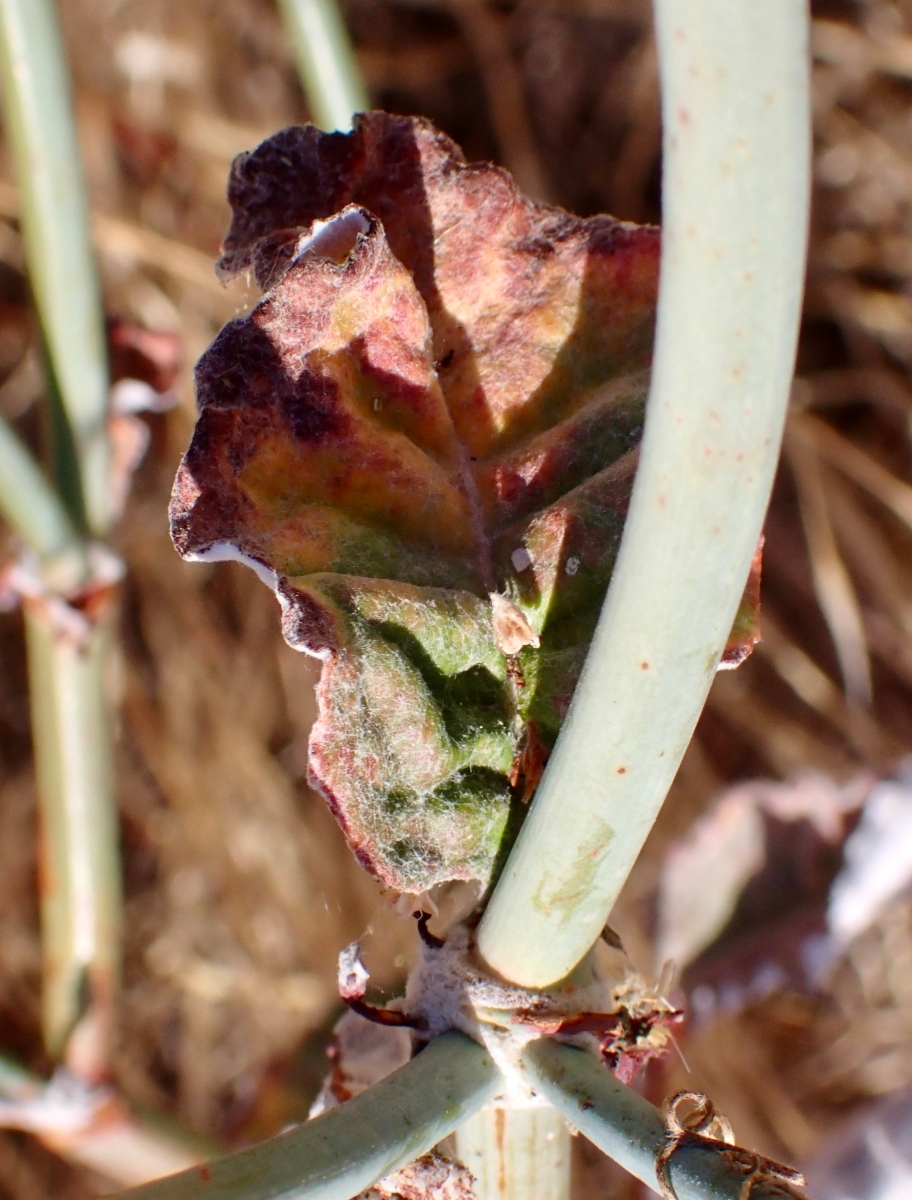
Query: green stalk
[326, 62]
[737, 145]
[337, 1155]
[629, 1129]
[16, 1082]
[516, 1153]
[34, 512]
[80, 893]
[39, 122]
[80, 884]
[92, 1127]
[80, 869]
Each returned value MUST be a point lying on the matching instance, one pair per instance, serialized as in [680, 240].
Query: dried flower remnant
[511, 629]
[691, 1120]
[434, 411]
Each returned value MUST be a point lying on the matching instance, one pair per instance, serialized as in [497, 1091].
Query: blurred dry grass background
[240, 891]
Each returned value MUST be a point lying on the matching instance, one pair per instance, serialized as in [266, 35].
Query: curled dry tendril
[691, 1120]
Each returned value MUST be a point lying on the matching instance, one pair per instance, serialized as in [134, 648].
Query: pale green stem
[326, 62]
[39, 122]
[14, 1081]
[516, 1153]
[80, 870]
[337, 1155]
[737, 145]
[71, 726]
[124, 1146]
[32, 509]
[71, 741]
[628, 1128]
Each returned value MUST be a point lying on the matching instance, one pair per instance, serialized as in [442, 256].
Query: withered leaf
[438, 400]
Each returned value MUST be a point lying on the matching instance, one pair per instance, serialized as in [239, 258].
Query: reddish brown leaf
[424, 437]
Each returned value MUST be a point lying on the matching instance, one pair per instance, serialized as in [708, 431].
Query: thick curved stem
[516, 1153]
[628, 1128]
[337, 1155]
[737, 151]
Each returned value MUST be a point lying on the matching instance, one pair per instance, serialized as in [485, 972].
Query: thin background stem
[38, 108]
[33, 510]
[80, 878]
[339, 1154]
[71, 725]
[326, 62]
[735, 95]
